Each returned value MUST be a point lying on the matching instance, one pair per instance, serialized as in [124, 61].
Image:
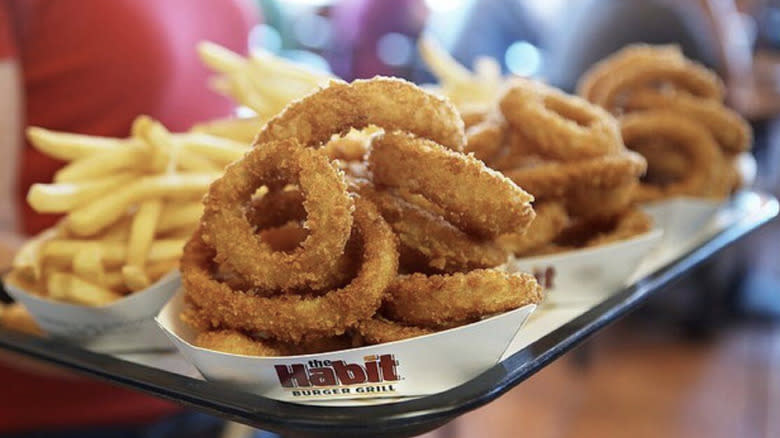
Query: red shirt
[91, 66]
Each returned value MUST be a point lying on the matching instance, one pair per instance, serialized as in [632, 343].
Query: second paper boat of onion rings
[590, 274]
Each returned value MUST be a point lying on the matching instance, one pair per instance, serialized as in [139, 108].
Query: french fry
[241, 130]
[219, 58]
[141, 237]
[68, 287]
[15, 316]
[60, 253]
[119, 231]
[88, 263]
[131, 205]
[135, 277]
[68, 147]
[132, 156]
[263, 82]
[220, 150]
[115, 280]
[155, 139]
[179, 215]
[98, 214]
[465, 88]
[269, 65]
[443, 66]
[28, 261]
[157, 270]
[64, 197]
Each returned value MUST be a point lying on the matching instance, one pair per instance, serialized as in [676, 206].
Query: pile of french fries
[468, 90]
[129, 205]
[263, 82]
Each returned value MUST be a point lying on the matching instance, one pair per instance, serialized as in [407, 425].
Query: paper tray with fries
[99, 276]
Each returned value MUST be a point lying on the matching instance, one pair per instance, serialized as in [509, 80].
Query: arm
[10, 146]
[11, 123]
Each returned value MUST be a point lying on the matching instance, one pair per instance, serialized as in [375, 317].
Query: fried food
[563, 127]
[466, 89]
[441, 245]
[327, 204]
[555, 180]
[705, 160]
[660, 80]
[731, 131]
[424, 167]
[664, 70]
[485, 138]
[263, 82]
[242, 130]
[551, 219]
[597, 231]
[15, 316]
[94, 217]
[291, 317]
[629, 223]
[379, 330]
[236, 342]
[129, 206]
[282, 264]
[594, 81]
[437, 301]
[388, 103]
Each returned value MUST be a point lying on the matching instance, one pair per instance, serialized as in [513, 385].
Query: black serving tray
[403, 418]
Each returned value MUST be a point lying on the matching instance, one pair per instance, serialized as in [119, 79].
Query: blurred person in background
[91, 67]
[709, 31]
[375, 37]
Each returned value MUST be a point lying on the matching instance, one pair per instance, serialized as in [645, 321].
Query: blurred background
[703, 357]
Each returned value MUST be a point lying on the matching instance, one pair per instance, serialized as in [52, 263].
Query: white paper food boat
[379, 373]
[123, 326]
[591, 274]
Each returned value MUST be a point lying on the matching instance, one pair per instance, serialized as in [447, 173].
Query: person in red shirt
[92, 66]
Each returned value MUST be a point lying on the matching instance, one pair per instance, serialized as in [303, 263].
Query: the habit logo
[374, 369]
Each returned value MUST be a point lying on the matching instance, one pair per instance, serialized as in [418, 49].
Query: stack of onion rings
[565, 151]
[659, 79]
[298, 247]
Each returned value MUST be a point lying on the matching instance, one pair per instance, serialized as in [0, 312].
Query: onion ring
[472, 116]
[485, 138]
[628, 224]
[401, 160]
[438, 301]
[551, 219]
[555, 180]
[290, 318]
[276, 208]
[593, 82]
[379, 330]
[328, 221]
[389, 103]
[705, 158]
[564, 127]
[235, 342]
[730, 130]
[440, 244]
[682, 75]
[517, 151]
[592, 232]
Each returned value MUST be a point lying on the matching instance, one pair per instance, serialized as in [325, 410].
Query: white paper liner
[123, 326]
[591, 274]
[382, 373]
